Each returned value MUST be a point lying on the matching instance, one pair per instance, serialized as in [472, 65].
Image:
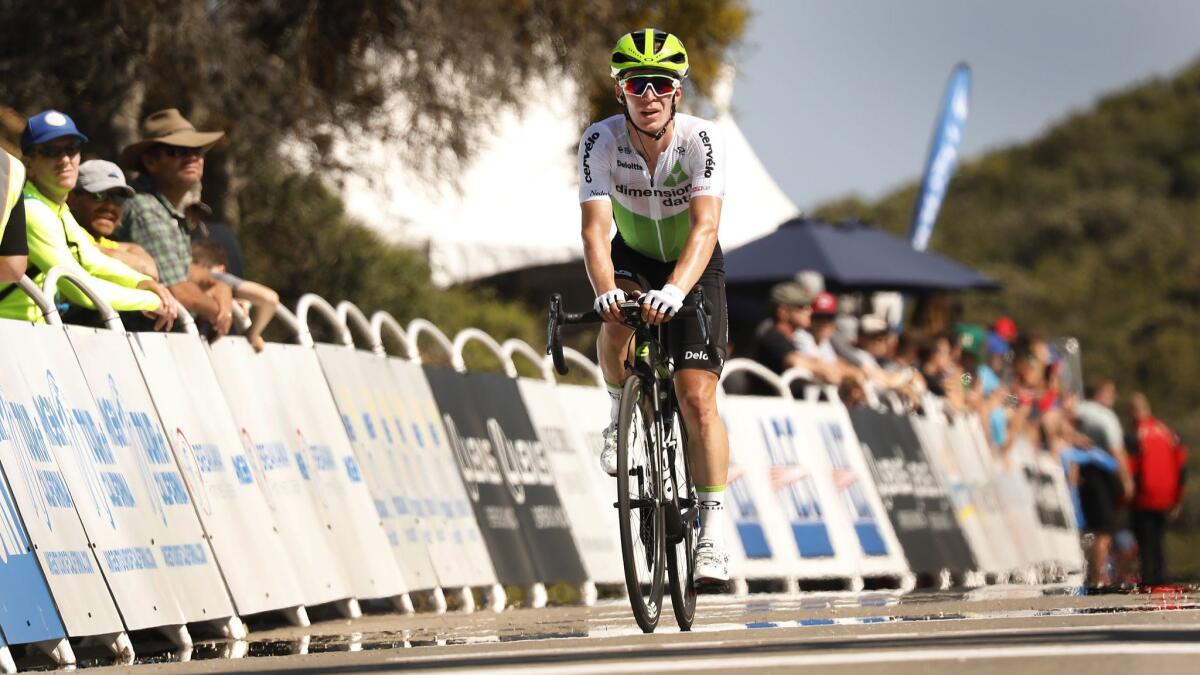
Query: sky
[840, 96]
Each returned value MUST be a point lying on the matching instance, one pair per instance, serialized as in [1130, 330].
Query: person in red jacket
[1158, 468]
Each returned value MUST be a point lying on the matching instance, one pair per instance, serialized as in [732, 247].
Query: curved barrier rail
[318, 474]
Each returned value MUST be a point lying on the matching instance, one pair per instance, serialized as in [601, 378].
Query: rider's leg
[613, 350]
[708, 446]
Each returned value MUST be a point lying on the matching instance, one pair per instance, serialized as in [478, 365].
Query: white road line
[922, 654]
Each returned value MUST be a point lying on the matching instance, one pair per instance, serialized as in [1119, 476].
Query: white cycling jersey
[652, 213]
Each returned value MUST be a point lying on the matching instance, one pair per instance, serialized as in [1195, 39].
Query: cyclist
[661, 176]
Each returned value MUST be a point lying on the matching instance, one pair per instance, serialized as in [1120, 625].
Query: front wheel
[639, 504]
[681, 555]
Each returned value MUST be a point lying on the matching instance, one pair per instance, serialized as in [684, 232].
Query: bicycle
[656, 498]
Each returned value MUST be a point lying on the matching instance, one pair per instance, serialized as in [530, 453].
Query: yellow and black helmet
[649, 48]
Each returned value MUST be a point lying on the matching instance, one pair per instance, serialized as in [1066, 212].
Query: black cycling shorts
[683, 339]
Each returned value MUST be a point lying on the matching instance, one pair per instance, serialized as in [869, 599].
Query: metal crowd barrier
[156, 481]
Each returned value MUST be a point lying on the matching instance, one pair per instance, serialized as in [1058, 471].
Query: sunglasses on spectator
[56, 151]
[118, 198]
[179, 152]
[656, 85]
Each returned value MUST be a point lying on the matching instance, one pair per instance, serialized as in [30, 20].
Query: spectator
[992, 390]
[791, 311]
[98, 202]
[51, 144]
[942, 374]
[170, 156]
[209, 256]
[1100, 423]
[14, 250]
[815, 343]
[1102, 494]
[1158, 464]
[872, 353]
[905, 361]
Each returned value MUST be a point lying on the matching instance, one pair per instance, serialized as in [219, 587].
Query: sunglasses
[179, 152]
[56, 151]
[118, 198]
[656, 85]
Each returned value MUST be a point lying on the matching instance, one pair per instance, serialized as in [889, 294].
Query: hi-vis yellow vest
[12, 177]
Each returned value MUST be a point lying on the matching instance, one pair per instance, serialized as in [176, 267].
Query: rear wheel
[643, 535]
[681, 555]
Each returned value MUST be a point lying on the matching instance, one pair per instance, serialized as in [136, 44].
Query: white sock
[614, 399]
[711, 503]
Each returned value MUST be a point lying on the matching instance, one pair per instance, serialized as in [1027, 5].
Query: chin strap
[661, 132]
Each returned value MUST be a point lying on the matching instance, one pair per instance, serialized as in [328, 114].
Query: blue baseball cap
[996, 344]
[47, 126]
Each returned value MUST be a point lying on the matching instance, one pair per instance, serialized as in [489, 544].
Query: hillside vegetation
[1092, 229]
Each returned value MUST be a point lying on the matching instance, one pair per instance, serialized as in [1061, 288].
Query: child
[208, 259]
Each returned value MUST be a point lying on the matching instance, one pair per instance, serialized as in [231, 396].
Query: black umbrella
[852, 256]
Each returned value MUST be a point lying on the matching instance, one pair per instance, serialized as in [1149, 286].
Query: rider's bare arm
[597, 218]
[705, 215]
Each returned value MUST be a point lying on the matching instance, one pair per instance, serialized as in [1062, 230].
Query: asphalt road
[991, 630]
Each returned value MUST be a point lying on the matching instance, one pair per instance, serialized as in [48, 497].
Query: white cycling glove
[667, 300]
[605, 300]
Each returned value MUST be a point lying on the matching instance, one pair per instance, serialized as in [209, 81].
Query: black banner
[916, 502]
[507, 473]
[1045, 498]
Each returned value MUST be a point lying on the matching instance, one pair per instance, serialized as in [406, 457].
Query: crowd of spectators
[131, 241]
[1025, 391]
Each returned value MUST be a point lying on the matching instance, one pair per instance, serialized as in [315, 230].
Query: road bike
[656, 499]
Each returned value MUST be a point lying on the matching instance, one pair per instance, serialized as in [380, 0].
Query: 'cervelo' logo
[497, 459]
[709, 162]
[587, 154]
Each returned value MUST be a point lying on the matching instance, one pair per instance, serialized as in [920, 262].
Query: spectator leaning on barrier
[14, 250]
[170, 156]
[1158, 462]
[815, 343]
[791, 311]
[98, 202]
[209, 256]
[51, 144]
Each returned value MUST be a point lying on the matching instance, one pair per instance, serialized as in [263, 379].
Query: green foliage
[1092, 229]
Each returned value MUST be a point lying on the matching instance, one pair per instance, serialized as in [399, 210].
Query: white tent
[517, 205]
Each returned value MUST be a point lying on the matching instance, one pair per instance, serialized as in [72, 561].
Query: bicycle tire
[643, 529]
[681, 557]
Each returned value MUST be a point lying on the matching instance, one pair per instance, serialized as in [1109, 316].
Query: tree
[306, 71]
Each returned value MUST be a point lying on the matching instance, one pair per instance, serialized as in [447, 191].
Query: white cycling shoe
[608, 452]
[712, 563]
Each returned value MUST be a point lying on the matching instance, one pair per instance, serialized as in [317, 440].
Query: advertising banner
[943, 156]
[507, 473]
[781, 499]
[39, 516]
[323, 450]
[376, 442]
[306, 529]
[111, 480]
[849, 469]
[140, 445]
[27, 612]
[917, 504]
[239, 524]
[599, 545]
[457, 548]
[963, 441]
[933, 432]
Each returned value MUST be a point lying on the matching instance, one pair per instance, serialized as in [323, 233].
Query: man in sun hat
[51, 144]
[170, 157]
